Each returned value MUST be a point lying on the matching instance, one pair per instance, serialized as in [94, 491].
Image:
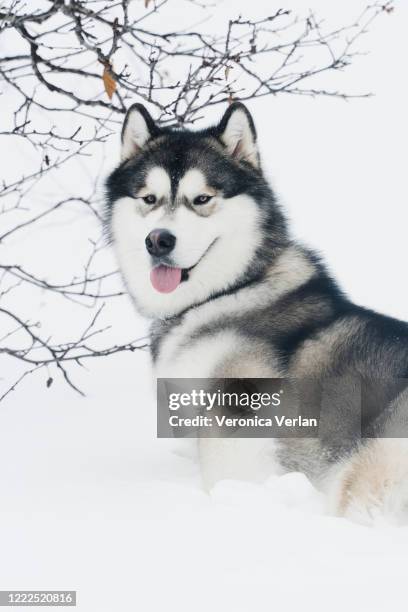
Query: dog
[205, 252]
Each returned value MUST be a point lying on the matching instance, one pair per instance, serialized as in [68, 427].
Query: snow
[91, 500]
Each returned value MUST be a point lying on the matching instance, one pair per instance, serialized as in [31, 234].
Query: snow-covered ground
[91, 500]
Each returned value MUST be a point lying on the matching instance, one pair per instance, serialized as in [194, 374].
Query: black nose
[160, 242]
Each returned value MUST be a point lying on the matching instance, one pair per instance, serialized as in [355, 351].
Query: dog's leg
[250, 459]
[372, 484]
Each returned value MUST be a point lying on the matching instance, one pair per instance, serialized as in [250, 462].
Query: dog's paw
[372, 486]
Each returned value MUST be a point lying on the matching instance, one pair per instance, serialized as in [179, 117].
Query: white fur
[192, 184]
[220, 458]
[239, 139]
[230, 234]
[135, 135]
[157, 183]
[195, 360]
[251, 459]
[371, 486]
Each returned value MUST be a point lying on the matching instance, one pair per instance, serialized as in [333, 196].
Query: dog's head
[190, 213]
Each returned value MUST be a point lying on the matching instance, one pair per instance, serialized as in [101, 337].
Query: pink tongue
[165, 279]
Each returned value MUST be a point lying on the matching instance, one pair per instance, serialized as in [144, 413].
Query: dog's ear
[236, 131]
[138, 128]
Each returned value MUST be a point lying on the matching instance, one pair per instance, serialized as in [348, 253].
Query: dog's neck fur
[291, 269]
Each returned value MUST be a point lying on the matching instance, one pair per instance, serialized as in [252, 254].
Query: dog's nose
[160, 242]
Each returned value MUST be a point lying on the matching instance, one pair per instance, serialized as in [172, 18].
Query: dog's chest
[183, 354]
[194, 347]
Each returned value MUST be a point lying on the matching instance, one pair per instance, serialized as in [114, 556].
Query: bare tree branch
[74, 68]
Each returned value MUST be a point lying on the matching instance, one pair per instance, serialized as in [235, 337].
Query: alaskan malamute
[205, 252]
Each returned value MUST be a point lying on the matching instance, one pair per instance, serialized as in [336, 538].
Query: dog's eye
[202, 199]
[150, 199]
